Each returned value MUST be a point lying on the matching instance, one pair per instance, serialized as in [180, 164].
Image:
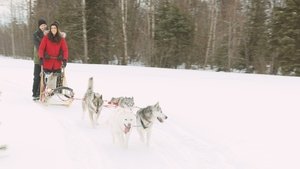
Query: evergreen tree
[173, 36]
[255, 37]
[285, 38]
[100, 33]
[226, 56]
[69, 17]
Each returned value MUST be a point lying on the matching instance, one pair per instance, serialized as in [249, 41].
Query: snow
[215, 120]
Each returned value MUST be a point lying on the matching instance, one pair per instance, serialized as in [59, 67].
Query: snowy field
[215, 120]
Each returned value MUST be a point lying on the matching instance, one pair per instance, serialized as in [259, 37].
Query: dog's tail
[91, 84]
[89, 90]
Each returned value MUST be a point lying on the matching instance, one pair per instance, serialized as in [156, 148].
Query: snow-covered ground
[215, 120]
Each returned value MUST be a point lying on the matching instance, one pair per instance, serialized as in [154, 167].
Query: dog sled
[54, 90]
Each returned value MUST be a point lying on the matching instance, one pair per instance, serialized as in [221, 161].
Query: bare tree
[232, 35]
[12, 12]
[212, 31]
[84, 32]
[124, 28]
[29, 25]
[151, 27]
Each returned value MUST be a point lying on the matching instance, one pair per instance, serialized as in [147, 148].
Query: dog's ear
[157, 104]
[101, 96]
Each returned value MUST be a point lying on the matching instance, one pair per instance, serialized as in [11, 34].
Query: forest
[251, 36]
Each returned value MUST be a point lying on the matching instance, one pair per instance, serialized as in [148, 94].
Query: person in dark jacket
[37, 38]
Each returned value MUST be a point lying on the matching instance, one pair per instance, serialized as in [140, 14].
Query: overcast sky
[5, 9]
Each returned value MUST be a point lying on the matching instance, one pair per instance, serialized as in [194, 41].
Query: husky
[124, 102]
[145, 118]
[92, 102]
[121, 123]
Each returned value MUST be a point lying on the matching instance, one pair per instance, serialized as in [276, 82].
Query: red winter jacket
[53, 50]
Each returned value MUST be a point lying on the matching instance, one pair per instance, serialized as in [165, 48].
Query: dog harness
[143, 124]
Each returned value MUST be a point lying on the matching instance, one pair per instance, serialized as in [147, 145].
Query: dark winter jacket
[53, 49]
[37, 38]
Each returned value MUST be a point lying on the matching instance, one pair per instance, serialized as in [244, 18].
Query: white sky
[5, 9]
[215, 120]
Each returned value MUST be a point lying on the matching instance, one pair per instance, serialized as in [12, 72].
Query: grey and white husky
[145, 118]
[124, 102]
[92, 102]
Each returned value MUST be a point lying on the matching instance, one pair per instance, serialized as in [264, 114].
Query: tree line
[254, 36]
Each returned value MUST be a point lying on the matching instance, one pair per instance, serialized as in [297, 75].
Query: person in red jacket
[53, 50]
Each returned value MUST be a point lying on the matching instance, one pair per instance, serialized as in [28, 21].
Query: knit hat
[41, 21]
[56, 23]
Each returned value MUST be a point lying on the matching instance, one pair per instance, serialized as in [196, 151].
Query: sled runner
[54, 90]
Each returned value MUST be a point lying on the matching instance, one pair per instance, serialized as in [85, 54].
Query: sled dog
[92, 102]
[145, 118]
[121, 123]
[125, 102]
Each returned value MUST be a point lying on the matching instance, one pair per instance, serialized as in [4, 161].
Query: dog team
[123, 119]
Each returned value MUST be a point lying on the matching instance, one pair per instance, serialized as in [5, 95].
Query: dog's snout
[128, 125]
[166, 117]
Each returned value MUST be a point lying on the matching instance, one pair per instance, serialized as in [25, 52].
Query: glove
[60, 58]
[64, 63]
[47, 56]
[41, 62]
